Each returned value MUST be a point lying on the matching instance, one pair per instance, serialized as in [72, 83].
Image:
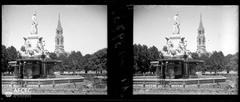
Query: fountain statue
[34, 29]
[176, 44]
[33, 44]
[177, 59]
[35, 61]
[176, 24]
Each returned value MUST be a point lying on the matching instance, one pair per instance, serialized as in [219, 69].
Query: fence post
[184, 82]
[53, 83]
[69, 83]
[25, 83]
[170, 82]
[74, 84]
[198, 84]
[21, 83]
[144, 84]
[12, 83]
[39, 83]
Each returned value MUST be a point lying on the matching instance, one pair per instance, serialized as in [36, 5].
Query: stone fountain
[177, 62]
[35, 61]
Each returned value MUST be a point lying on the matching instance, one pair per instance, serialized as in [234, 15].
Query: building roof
[182, 60]
[38, 60]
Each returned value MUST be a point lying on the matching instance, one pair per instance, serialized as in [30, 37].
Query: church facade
[59, 39]
[201, 40]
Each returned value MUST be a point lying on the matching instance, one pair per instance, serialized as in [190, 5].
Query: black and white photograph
[185, 49]
[54, 50]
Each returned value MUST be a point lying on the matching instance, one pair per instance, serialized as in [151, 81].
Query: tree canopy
[74, 61]
[142, 57]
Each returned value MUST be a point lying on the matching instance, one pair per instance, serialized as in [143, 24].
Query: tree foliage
[8, 54]
[142, 57]
[231, 62]
[75, 61]
[217, 62]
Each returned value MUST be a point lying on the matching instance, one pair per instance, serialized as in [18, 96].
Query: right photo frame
[185, 49]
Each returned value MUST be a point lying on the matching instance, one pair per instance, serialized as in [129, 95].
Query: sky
[84, 26]
[152, 23]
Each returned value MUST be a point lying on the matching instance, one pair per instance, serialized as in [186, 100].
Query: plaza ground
[230, 87]
[88, 86]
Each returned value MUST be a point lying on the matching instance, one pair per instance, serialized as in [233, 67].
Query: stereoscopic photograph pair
[64, 50]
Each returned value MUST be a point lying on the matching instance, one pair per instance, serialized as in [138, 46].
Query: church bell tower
[59, 40]
[201, 47]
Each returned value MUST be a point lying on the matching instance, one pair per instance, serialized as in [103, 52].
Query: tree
[231, 62]
[143, 56]
[97, 61]
[8, 54]
[206, 66]
[153, 53]
[65, 62]
[12, 53]
[75, 60]
[86, 62]
[217, 61]
[4, 62]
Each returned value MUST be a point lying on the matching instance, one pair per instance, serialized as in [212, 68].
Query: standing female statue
[176, 24]
[34, 23]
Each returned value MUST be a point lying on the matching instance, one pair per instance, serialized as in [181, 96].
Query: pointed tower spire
[201, 47]
[200, 28]
[59, 26]
[59, 39]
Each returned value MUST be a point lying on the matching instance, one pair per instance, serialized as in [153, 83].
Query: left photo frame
[54, 50]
